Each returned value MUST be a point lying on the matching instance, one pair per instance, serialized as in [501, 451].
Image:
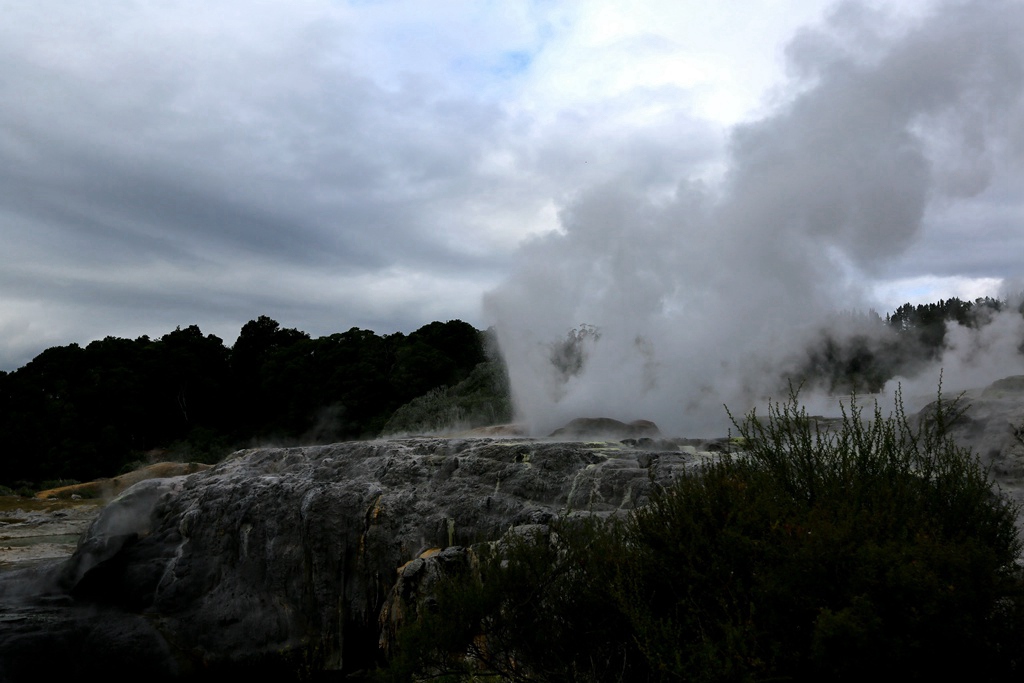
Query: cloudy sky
[383, 164]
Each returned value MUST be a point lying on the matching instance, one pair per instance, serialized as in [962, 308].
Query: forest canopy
[83, 412]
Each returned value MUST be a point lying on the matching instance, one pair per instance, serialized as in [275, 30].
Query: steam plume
[709, 295]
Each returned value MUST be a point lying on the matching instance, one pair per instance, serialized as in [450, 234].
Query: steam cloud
[709, 293]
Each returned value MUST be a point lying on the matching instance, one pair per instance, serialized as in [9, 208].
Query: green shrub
[481, 399]
[829, 552]
[534, 606]
[826, 550]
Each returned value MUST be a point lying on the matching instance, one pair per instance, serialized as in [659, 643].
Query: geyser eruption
[711, 293]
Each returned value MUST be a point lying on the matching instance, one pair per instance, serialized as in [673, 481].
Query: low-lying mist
[665, 305]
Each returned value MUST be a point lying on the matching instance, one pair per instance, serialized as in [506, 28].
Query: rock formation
[606, 428]
[285, 557]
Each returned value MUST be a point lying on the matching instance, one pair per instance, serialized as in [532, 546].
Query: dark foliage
[83, 413]
[481, 399]
[535, 607]
[831, 553]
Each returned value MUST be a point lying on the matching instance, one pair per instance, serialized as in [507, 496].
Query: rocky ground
[49, 526]
[301, 558]
[33, 531]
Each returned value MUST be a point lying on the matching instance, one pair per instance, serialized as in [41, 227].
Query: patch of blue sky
[503, 66]
[510, 64]
[491, 74]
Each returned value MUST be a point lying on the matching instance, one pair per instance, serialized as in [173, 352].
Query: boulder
[606, 428]
[283, 559]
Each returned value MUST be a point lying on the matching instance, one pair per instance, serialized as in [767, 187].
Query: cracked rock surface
[283, 554]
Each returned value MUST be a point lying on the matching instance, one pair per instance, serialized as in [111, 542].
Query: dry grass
[108, 488]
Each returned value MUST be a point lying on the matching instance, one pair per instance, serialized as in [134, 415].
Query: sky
[887, 165]
[663, 170]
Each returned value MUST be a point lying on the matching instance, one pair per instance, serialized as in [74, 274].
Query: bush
[534, 606]
[825, 550]
[479, 400]
[830, 551]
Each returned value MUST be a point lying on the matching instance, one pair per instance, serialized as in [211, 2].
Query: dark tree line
[81, 413]
[862, 351]
[925, 324]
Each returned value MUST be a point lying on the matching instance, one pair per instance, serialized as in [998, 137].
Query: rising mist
[666, 304]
